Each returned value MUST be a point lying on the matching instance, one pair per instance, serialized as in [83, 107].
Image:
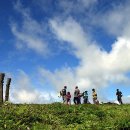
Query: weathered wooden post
[2, 75]
[7, 89]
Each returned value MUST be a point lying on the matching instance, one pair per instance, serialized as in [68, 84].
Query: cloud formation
[24, 91]
[126, 99]
[116, 20]
[75, 6]
[97, 67]
[30, 33]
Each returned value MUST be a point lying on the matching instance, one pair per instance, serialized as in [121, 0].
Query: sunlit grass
[63, 117]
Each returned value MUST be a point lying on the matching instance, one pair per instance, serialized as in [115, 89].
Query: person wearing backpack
[119, 96]
[94, 94]
[79, 97]
[68, 98]
[85, 97]
[76, 95]
[63, 94]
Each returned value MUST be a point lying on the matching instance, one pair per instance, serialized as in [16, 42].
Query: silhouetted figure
[79, 97]
[63, 94]
[68, 98]
[85, 97]
[119, 96]
[76, 95]
[94, 94]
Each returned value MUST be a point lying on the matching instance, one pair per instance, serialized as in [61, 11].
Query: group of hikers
[66, 96]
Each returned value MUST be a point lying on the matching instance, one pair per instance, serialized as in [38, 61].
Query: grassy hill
[62, 117]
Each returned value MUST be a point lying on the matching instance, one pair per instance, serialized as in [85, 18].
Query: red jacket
[68, 96]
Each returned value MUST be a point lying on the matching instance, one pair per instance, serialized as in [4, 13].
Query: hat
[93, 89]
[65, 86]
[76, 87]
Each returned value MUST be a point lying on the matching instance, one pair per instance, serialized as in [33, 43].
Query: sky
[47, 44]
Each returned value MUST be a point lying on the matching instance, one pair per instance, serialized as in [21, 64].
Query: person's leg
[65, 101]
[118, 98]
[97, 102]
[77, 99]
[85, 100]
[121, 101]
[63, 98]
[74, 100]
[69, 102]
[93, 101]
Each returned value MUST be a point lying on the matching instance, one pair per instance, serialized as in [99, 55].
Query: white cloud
[97, 67]
[63, 31]
[126, 99]
[29, 34]
[87, 3]
[23, 91]
[65, 8]
[59, 78]
[115, 20]
[73, 6]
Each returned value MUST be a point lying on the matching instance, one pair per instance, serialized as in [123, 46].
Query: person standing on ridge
[76, 95]
[85, 97]
[119, 96]
[94, 94]
[68, 98]
[63, 94]
[79, 97]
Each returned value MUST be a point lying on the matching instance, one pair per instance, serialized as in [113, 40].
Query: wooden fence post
[7, 89]
[2, 75]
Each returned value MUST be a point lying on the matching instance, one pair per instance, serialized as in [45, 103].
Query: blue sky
[48, 44]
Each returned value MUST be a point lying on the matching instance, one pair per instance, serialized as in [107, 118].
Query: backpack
[63, 92]
[120, 94]
[85, 95]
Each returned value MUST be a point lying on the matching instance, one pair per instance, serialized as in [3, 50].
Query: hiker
[79, 97]
[68, 98]
[94, 94]
[85, 97]
[63, 94]
[119, 96]
[76, 95]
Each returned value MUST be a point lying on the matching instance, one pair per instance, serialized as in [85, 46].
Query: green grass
[62, 117]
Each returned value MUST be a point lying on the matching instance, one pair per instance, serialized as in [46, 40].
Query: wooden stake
[7, 89]
[2, 75]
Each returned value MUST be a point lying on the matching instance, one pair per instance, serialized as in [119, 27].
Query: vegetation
[58, 116]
